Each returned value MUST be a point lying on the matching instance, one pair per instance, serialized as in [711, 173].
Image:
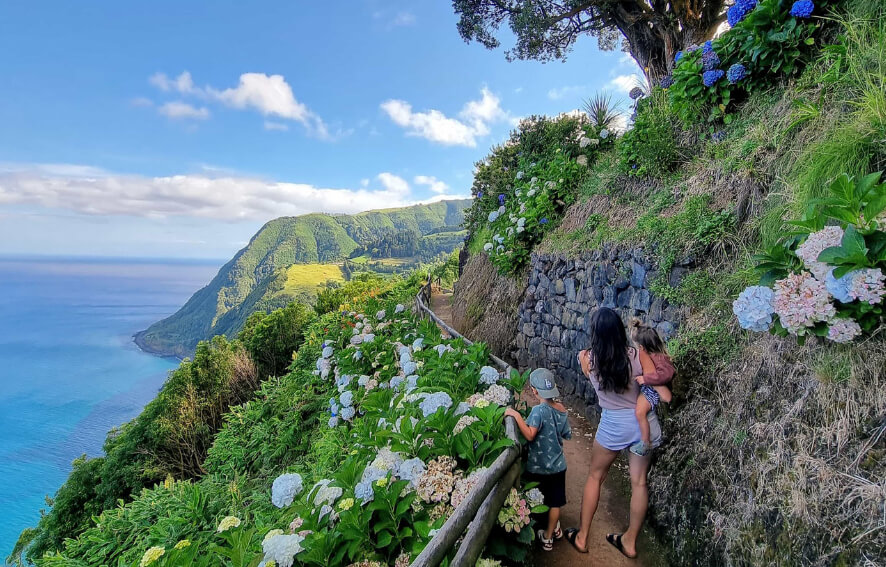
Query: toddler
[651, 383]
[545, 429]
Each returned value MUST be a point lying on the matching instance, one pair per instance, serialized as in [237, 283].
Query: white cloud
[141, 102]
[178, 109]
[228, 197]
[269, 125]
[570, 91]
[270, 95]
[474, 120]
[624, 83]
[433, 183]
[394, 183]
[364, 182]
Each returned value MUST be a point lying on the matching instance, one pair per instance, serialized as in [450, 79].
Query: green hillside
[256, 278]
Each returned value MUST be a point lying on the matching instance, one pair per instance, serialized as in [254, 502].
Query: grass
[310, 277]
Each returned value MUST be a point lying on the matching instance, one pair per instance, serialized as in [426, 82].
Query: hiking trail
[612, 511]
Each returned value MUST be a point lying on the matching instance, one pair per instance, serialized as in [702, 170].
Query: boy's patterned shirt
[546, 450]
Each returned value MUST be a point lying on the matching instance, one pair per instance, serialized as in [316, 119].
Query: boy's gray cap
[542, 380]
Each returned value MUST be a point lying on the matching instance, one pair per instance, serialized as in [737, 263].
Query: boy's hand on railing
[511, 412]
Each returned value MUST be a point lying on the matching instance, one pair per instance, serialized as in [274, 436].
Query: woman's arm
[584, 360]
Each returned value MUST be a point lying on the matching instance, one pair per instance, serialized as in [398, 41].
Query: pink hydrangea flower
[816, 242]
[801, 301]
[867, 286]
[843, 330]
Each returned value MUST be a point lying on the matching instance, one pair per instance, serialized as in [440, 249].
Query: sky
[177, 129]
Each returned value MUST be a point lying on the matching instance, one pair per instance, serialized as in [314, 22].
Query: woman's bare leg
[601, 459]
[639, 467]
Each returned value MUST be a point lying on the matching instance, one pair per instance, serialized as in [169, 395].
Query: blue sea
[69, 371]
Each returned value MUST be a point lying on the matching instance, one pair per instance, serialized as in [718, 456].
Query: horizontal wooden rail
[479, 510]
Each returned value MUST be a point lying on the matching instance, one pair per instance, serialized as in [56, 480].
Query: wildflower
[183, 544]
[584, 142]
[710, 61]
[399, 308]
[802, 8]
[285, 488]
[151, 555]
[667, 82]
[463, 423]
[801, 301]
[753, 308]
[521, 221]
[227, 523]
[271, 534]
[843, 330]
[710, 78]
[501, 199]
[346, 504]
[543, 220]
[282, 549]
[514, 515]
[736, 73]
[814, 244]
[380, 315]
[635, 93]
[499, 248]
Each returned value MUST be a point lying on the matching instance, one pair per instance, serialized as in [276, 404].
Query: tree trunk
[652, 49]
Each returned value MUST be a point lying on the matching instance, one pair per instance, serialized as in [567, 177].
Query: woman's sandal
[570, 536]
[615, 541]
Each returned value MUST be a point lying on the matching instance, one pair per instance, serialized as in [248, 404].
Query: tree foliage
[271, 338]
[547, 29]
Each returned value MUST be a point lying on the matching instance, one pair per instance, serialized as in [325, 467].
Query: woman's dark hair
[647, 337]
[609, 345]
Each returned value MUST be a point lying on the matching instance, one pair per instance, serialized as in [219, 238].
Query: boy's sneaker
[640, 449]
[558, 533]
[546, 544]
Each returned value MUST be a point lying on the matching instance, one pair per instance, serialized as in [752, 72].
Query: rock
[665, 329]
[656, 308]
[528, 329]
[622, 283]
[569, 283]
[641, 300]
[555, 335]
[608, 297]
[536, 349]
[559, 287]
[676, 276]
[638, 275]
[624, 298]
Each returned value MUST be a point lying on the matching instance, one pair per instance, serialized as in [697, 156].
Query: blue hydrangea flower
[488, 375]
[411, 470]
[635, 93]
[736, 73]
[802, 8]
[678, 56]
[432, 402]
[396, 381]
[348, 413]
[327, 352]
[462, 408]
[604, 133]
[543, 220]
[839, 287]
[753, 308]
[411, 383]
[333, 421]
[501, 199]
[417, 344]
[364, 492]
[718, 136]
[708, 47]
[667, 82]
[710, 78]
[692, 48]
[409, 368]
[710, 61]
[347, 399]
[480, 195]
[739, 10]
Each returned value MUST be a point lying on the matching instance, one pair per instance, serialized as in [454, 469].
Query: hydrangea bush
[827, 281]
[299, 488]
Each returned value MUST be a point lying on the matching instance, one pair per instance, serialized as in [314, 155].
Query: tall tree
[546, 29]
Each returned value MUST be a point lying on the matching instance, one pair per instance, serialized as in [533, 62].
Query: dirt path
[612, 512]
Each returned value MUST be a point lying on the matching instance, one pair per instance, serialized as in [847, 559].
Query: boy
[545, 429]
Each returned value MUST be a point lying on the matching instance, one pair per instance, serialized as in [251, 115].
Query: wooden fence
[478, 512]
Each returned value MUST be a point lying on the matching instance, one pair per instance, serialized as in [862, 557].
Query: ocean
[69, 371]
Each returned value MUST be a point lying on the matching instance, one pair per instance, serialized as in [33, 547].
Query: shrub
[650, 147]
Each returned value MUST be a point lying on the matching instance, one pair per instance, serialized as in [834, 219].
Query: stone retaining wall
[563, 292]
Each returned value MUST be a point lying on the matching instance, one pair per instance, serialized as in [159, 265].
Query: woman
[612, 366]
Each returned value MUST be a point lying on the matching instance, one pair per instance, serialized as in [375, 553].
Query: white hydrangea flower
[400, 308]
[535, 497]
[285, 488]
[282, 549]
[368, 338]
[489, 375]
[418, 344]
[326, 494]
[487, 247]
[521, 221]
[381, 315]
[843, 330]
[327, 352]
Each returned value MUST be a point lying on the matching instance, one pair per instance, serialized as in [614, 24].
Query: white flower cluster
[814, 245]
[325, 494]
[285, 488]
[463, 423]
[281, 549]
[489, 375]
[431, 402]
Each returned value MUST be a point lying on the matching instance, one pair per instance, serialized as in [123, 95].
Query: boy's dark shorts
[552, 486]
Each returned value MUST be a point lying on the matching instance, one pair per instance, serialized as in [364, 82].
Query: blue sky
[176, 129]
